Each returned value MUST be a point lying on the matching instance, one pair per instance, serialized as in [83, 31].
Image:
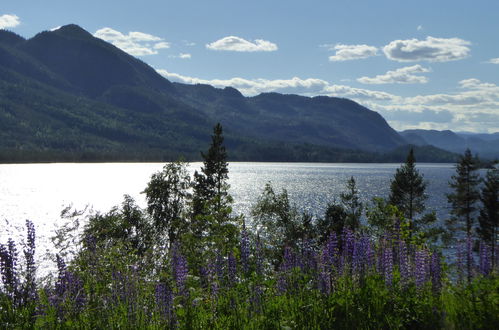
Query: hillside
[68, 96]
[485, 145]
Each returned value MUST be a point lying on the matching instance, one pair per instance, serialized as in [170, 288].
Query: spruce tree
[212, 181]
[463, 199]
[352, 205]
[407, 190]
[489, 214]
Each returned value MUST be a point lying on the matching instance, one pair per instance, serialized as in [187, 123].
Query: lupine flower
[30, 293]
[288, 260]
[245, 250]
[420, 267]
[8, 264]
[388, 264]
[403, 263]
[256, 298]
[436, 274]
[485, 264]
[470, 264]
[68, 288]
[164, 302]
[179, 266]
[231, 269]
[330, 251]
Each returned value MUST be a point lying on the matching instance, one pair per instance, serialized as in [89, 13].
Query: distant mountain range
[68, 96]
[485, 145]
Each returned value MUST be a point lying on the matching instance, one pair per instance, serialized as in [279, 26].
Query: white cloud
[236, 44]
[295, 85]
[183, 56]
[494, 60]
[431, 49]
[134, 43]
[9, 21]
[420, 27]
[352, 52]
[405, 75]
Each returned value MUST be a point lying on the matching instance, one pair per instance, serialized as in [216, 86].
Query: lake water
[39, 192]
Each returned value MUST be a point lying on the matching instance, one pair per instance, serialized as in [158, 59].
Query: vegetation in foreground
[188, 262]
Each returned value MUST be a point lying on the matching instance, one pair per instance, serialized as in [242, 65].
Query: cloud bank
[494, 60]
[352, 52]
[431, 50]
[405, 75]
[9, 21]
[134, 43]
[237, 44]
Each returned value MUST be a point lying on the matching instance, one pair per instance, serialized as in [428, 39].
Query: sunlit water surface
[39, 192]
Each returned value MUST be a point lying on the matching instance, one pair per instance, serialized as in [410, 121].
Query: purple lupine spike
[330, 252]
[388, 264]
[289, 259]
[30, 293]
[420, 267]
[256, 298]
[403, 263]
[219, 266]
[8, 264]
[179, 266]
[470, 264]
[245, 250]
[369, 253]
[231, 269]
[485, 264]
[282, 283]
[436, 272]
[164, 302]
[324, 278]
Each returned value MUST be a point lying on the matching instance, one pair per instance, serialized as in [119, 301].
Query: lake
[39, 192]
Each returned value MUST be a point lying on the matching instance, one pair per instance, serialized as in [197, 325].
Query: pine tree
[464, 199]
[407, 190]
[212, 181]
[352, 205]
[489, 213]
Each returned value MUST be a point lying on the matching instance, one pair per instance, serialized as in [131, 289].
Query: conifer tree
[463, 199]
[489, 214]
[352, 205]
[407, 190]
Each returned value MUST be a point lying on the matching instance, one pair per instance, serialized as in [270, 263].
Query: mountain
[66, 95]
[485, 145]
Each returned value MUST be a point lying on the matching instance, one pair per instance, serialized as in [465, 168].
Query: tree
[211, 202]
[489, 214]
[212, 181]
[353, 206]
[464, 198]
[167, 195]
[334, 220]
[407, 190]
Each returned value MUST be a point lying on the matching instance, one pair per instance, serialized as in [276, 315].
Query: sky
[420, 64]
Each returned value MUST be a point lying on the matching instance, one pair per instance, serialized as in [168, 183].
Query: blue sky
[421, 64]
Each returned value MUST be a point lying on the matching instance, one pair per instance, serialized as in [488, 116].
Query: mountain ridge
[89, 97]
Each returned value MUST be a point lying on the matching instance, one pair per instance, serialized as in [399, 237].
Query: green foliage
[489, 213]
[407, 189]
[351, 202]
[278, 224]
[126, 225]
[167, 196]
[465, 195]
[334, 221]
